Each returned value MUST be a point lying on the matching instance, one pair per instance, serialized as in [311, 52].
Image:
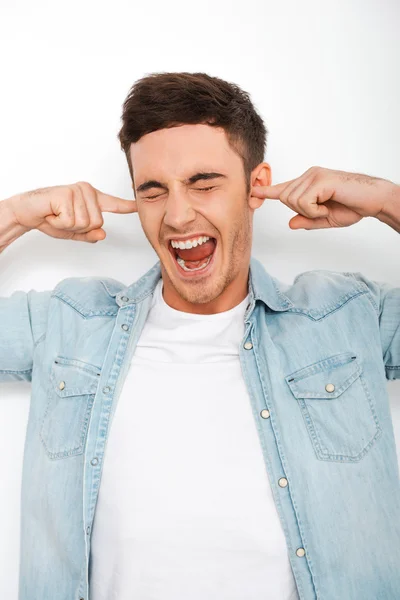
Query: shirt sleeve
[385, 298]
[23, 323]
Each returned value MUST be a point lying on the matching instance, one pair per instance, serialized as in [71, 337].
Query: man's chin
[196, 290]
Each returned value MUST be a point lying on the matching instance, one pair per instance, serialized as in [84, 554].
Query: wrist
[10, 229]
[390, 213]
[8, 211]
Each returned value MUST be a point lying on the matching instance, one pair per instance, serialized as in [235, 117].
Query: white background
[324, 76]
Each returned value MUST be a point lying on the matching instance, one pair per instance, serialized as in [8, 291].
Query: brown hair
[162, 100]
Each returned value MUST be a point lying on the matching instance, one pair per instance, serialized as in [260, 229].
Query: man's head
[195, 147]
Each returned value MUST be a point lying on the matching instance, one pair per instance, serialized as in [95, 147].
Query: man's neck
[231, 296]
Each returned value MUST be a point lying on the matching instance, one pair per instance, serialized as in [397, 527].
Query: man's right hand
[71, 212]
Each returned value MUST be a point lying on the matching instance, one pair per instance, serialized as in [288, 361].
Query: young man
[207, 432]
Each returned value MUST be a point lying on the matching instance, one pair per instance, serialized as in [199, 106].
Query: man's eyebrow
[152, 183]
[204, 175]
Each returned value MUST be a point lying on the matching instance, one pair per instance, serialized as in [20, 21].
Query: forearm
[390, 214]
[10, 230]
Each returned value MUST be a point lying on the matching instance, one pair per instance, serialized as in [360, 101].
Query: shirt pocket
[72, 388]
[337, 407]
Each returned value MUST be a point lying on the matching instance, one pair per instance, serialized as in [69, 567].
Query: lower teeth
[184, 267]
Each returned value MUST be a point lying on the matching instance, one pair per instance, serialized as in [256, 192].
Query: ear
[260, 176]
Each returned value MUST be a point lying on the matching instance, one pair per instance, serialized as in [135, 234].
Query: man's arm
[23, 319]
[23, 315]
[385, 298]
[326, 198]
[67, 212]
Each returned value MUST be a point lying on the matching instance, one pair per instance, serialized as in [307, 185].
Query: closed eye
[150, 197]
[206, 189]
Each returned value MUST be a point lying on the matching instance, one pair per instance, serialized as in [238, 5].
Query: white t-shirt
[185, 509]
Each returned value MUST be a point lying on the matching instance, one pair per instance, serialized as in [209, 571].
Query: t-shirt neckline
[226, 314]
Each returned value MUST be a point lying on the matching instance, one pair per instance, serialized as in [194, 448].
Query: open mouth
[195, 261]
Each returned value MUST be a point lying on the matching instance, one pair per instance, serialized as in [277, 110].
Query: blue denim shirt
[316, 356]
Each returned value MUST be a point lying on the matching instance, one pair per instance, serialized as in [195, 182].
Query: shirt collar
[265, 287]
[262, 286]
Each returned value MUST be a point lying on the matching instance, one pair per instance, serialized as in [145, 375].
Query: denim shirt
[315, 355]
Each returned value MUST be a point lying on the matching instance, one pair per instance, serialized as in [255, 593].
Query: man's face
[172, 207]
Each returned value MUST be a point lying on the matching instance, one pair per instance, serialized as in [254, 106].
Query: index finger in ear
[270, 191]
[108, 203]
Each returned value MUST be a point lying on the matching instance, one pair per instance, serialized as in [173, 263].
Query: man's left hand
[328, 198]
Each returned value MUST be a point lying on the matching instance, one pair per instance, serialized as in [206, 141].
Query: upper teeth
[189, 243]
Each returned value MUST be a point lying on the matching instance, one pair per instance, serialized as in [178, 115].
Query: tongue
[198, 253]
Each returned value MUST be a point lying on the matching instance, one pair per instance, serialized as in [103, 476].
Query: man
[208, 431]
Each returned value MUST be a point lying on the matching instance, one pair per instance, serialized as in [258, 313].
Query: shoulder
[334, 282]
[318, 292]
[90, 296]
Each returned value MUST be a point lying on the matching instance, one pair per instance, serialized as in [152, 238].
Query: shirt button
[94, 461]
[125, 327]
[124, 299]
[61, 385]
[248, 345]
[300, 552]
[265, 413]
[106, 389]
[329, 387]
[283, 482]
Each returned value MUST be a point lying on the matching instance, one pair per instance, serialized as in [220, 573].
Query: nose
[178, 210]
